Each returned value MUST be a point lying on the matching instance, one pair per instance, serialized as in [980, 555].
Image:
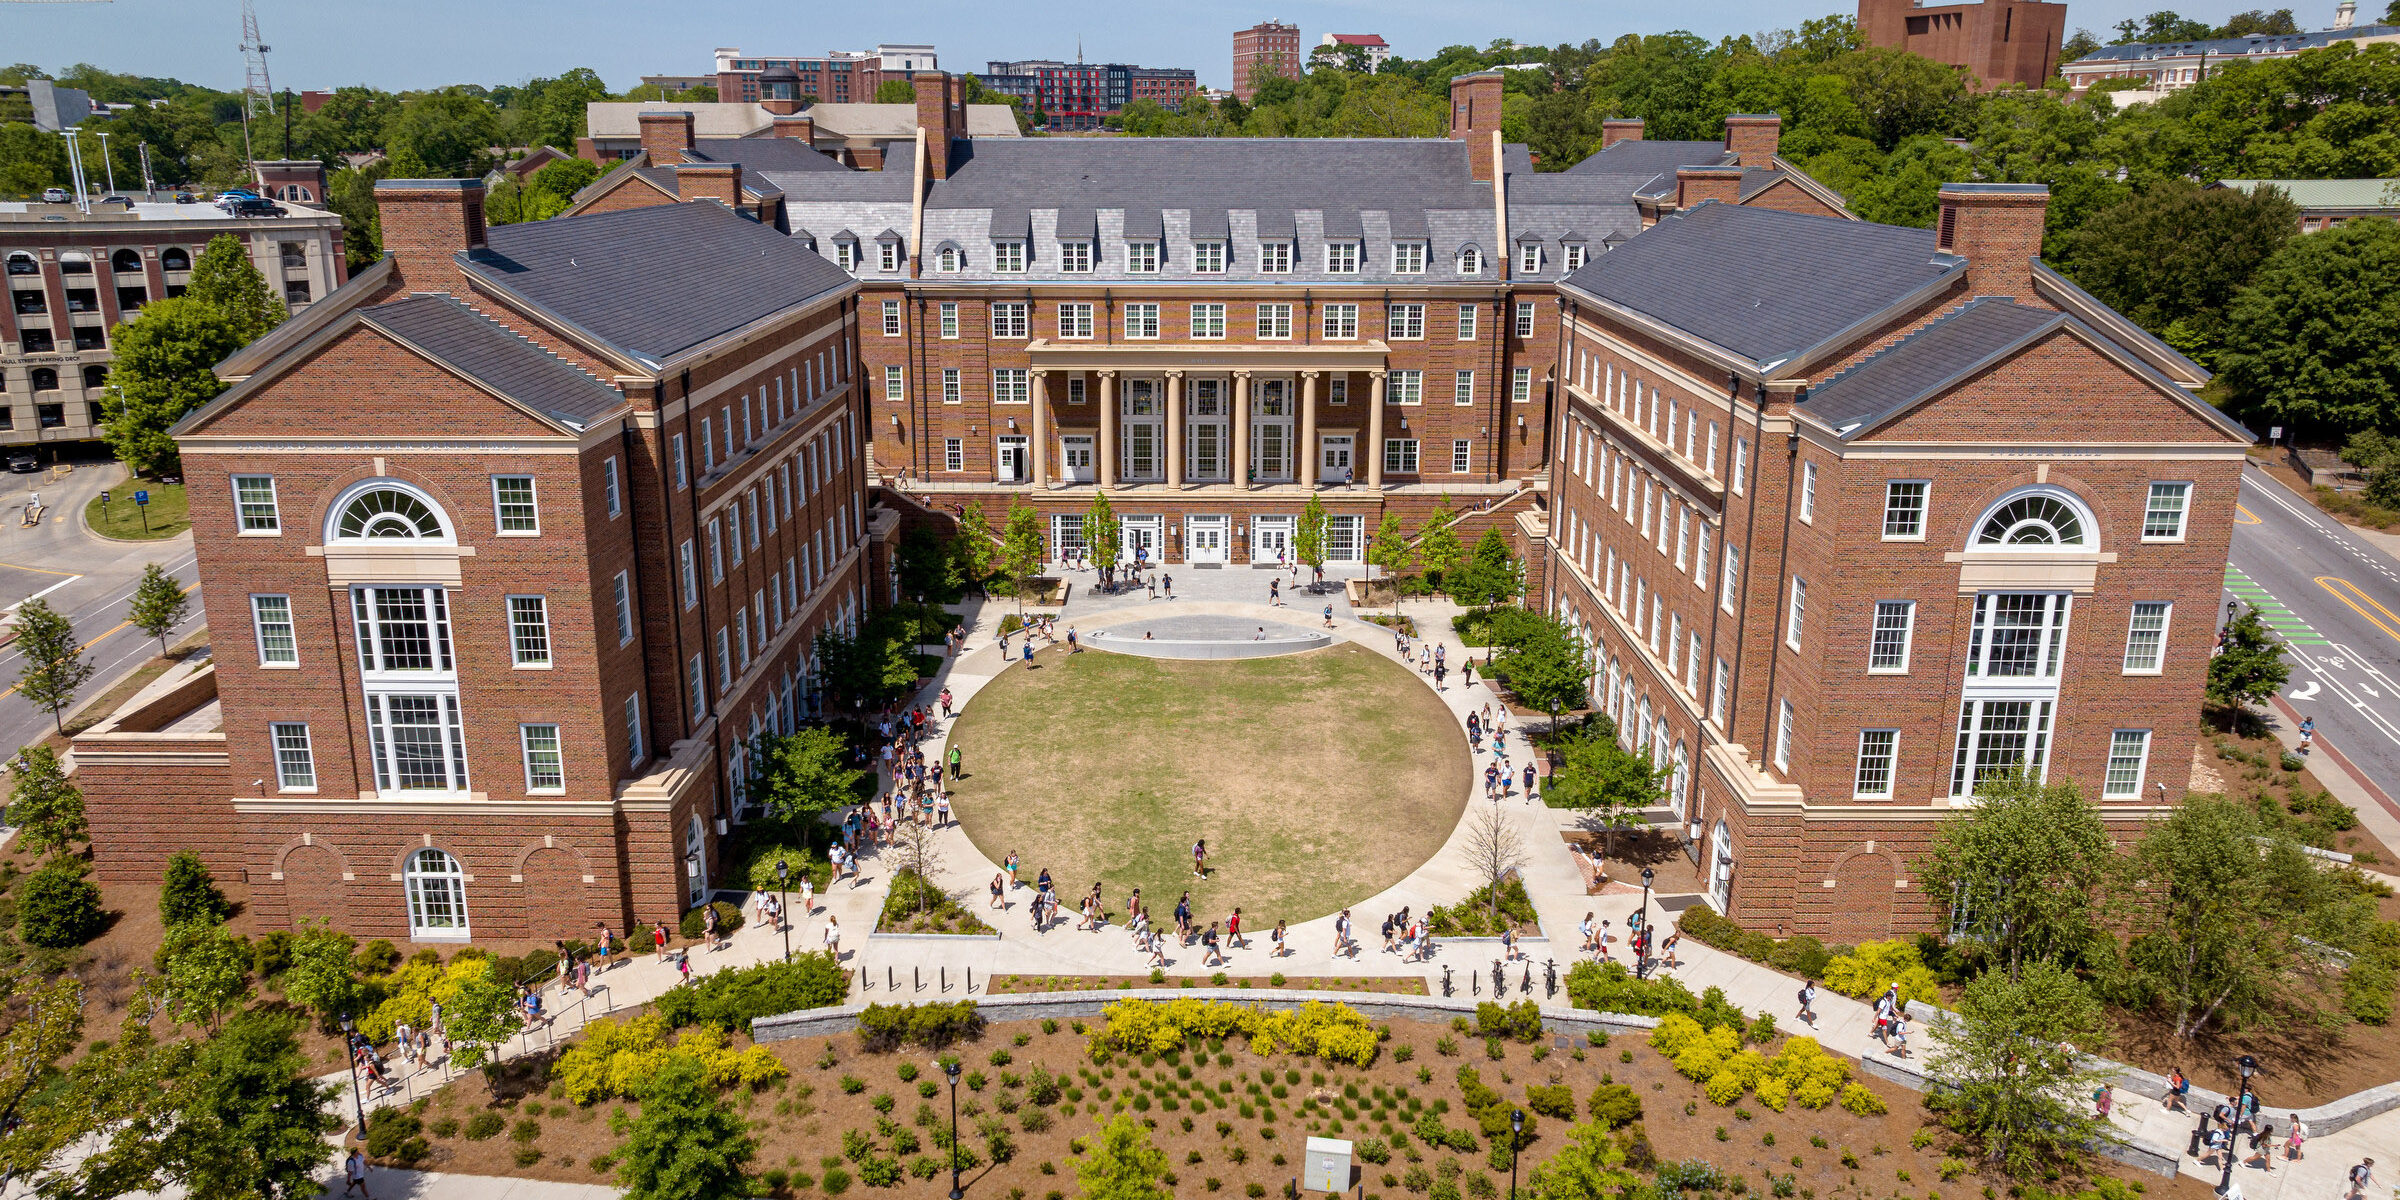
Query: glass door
[1271, 431]
[1205, 444]
[1144, 433]
[1204, 539]
[1075, 457]
[1271, 539]
[1334, 461]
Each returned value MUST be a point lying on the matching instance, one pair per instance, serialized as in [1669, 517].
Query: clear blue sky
[418, 43]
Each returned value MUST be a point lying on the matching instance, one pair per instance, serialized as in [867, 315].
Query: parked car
[253, 206]
[22, 461]
[54, 195]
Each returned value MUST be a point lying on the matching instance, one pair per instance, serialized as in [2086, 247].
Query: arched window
[2037, 520]
[388, 512]
[1680, 790]
[22, 263]
[437, 895]
[95, 377]
[175, 258]
[1470, 260]
[126, 262]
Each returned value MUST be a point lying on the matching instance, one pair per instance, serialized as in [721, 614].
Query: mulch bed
[1404, 986]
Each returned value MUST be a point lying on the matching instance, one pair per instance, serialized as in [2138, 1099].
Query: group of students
[2222, 1128]
[1408, 936]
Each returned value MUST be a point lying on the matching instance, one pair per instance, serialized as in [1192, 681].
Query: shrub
[189, 893]
[1521, 1021]
[1557, 1100]
[395, 1135]
[1862, 1100]
[1335, 1032]
[934, 1025]
[835, 1182]
[729, 918]
[733, 999]
[1614, 1105]
[57, 907]
[1873, 966]
[485, 1125]
[1609, 987]
[526, 1131]
[1473, 916]
[616, 1058]
[2367, 992]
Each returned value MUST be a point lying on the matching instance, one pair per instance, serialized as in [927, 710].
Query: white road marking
[2306, 693]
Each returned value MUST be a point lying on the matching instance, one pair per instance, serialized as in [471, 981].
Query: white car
[54, 195]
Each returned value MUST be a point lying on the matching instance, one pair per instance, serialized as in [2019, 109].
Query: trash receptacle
[1328, 1166]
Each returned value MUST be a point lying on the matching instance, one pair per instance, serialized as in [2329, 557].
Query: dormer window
[1008, 257]
[1470, 261]
[1575, 256]
[1529, 258]
[887, 256]
[1341, 258]
[1141, 258]
[1274, 258]
[845, 255]
[1408, 258]
[948, 260]
[1075, 257]
[1208, 258]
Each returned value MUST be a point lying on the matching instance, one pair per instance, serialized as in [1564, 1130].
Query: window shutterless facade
[1887, 650]
[623, 587]
[1341, 322]
[1470, 261]
[948, 318]
[1467, 315]
[1274, 322]
[2017, 635]
[1404, 322]
[891, 318]
[1400, 455]
[1808, 492]
[512, 499]
[544, 770]
[1141, 322]
[1877, 750]
[1008, 257]
[1009, 320]
[1408, 258]
[1783, 736]
[417, 742]
[1404, 387]
[1524, 318]
[954, 454]
[295, 758]
[887, 256]
[1462, 388]
[278, 646]
[633, 731]
[609, 489]
[1075, 257]
[1141, 258]
[1575, 256]
[1208, 321]
[1903, 509]
[1461, 455]
[1275, 258]
[1075, 320]
[1341, 258]
[1011, 385]
[893, 389]
[1529, 258]
[254, 499]
[529, 631]
[1999, 736]
[2162, 519]
[2128, 761]
[1520, 385]
[1797, 614]
[953, 387]
[1208, 258]
[2146, 638]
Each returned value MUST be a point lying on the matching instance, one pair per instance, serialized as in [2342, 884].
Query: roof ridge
[1939, 319]
[554, 355]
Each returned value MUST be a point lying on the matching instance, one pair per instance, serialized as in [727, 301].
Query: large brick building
[1853, 517]
[1999, 42]
[1077, 95]
[1270, 44]
[511, 545]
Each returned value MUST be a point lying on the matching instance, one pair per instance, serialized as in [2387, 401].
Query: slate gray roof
[1248, 173]
[654, 282]
[1764, 284]
[2257, 43]
[763, 154]
[1650, 158]
[1946, 351]
[480, 348]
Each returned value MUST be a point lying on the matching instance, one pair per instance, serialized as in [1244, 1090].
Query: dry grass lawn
[1318, 779]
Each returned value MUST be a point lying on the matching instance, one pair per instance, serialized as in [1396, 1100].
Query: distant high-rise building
[836, 77]
[2000, 43]
[1270, 42]
[1077, 95]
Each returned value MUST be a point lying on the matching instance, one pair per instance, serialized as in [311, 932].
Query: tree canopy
[165, 366]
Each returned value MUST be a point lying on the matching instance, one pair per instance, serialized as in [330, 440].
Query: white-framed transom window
[2146, 637]
[2128, 761]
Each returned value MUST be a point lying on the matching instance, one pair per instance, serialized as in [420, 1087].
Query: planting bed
[1398, 985]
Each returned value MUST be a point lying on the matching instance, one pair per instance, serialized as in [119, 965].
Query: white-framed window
[1274, 322]
[1337, 390]
[2128, 761]
[1741, 463]
[1009, 320]
[691, 575]
[295, 758]
[1404, 322]
[2146, 637]
[1733, 577]
[894, 388]
[1717, 683]
[1798, 613]
[529, 631]
[949, 260]
[1462, 454]
[544, 770]
[1808, 492]
[254, 500]
[1783, 735]
[2034, 520]
[622, 586]
[1408, 258]
[948, 319]
[2018, 635]
[1888, 645]
[1405, 387]
[887, 256]
[1877, 750]
[278, 644]
[1400, 455]
[891, 318]
[610, 491]
[954, 388]
[696, 680]
[1999, 736]
[1520, 385]
[1470, 260]
[1075, 257]
[1141, 322]
[2162, 520]
[1011, 385]
[1524, 318]
[1700, 554]
[716, 550]
[1008, 257]
[1462, 388]
[1341, 322]
[1903, 510]
[708, 445]
[1575, 256]
[845, 255]
[633, 730]
[1208, 258]
[1208, 322]
[512, 501]
[437, 895]
[1468, 314]
[1075, 320]
[1141, 258]
[417, 742]
[1275, 258]
[724, 662]
[954, 454]
[1341, 258]
[1529, 258]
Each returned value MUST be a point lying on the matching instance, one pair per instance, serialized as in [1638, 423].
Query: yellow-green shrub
[1699, 1061]
[1874, 966]
[1725, 1087]
[1803, 1060]
[1747, 1067]
[1335, 1032]
[1861, 1099]
[1674, 1033]
[1815, 1093]
[615, 1058]
[1773, 1092]
[414, 988]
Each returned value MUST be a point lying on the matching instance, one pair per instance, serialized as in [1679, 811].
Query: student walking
[658, 940]
[1233, 930]
[1166, 583]
[1341, 936]
[833, 936]
[2179, 1089]
[1808, 1003]
[1275, 591]
[1328, 616]
[1276, 938]
[354, 1174]
[2362, 1177]
[1000, 891]
[2292, 1141]
[1210, 954]
[808, 898]
[1585, 929]
[1668, 946]
[1200, 858]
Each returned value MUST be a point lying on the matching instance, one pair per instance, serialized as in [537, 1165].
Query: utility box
[1328, 1166]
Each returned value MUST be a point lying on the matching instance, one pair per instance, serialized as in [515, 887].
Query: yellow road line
[2343, 590]
[35, 570]
[2243, 516]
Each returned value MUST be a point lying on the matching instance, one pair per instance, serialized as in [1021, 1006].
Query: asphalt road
[2336, 601]
[88, 578]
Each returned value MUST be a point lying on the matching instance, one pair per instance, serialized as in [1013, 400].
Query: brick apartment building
[512, 543]
[836, 77]
[1999, 42]
[1271, 43]
[1076, 96]
[1842, 551]
[71, 276]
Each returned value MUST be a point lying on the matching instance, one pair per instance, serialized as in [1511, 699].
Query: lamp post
[1642, 959]
[357, 1100]
[2241, 1102]
[951, 1069]
[1516, 1135]
[783, 879]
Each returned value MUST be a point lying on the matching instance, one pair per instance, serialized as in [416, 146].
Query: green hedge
[733, 999]
[888, 1026]
[57, 907]
[1609, 987]
[1803, 955]
[729, 918]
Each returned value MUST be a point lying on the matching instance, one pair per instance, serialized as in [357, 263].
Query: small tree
[159, 605]
[1390, 551]
[50, 1024]
[1592, 1163]
[1021, 547]
[188, 892]
[1607, 785]
[206, 970]
[1549, 671]
[973, 547]
[1494, 852]
[1438, 548]
[802, 773]
[1492, 574]
[914, 851]
[2028, 867]
[53, 669]
[244, 1118]
[2250, 668]
[1308, 541]
[323, 978]
[687, 1144]
[225, 279]
[1122, 1164]
[57, 907]
[481, 1018]
[2011, 1080]
[1101, 533]
[45, 804]
[163, 367]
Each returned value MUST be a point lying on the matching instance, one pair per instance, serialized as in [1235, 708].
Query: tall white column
[1374, 447]
[1106, 451]
[1174, 429]
[1308, 429]
[1041, 429]
[1241, 429]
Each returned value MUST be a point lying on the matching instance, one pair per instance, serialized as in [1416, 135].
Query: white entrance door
[1271, 538]
[1075, 457]
[1015, 466]
[1204, 539]
[1139, 539]
[1334, 461]
[1720, 868]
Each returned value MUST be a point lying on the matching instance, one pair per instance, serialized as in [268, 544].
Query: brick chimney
[1695, 184]
[797, 125]
[1752, 137]
[935, 117]
[1997, 228]
[1475, 116]
[426, 223]
[665, 136]
[1620, 129]
[721, 182]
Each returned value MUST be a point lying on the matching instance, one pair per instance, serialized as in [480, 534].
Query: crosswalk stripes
[2282, 620]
